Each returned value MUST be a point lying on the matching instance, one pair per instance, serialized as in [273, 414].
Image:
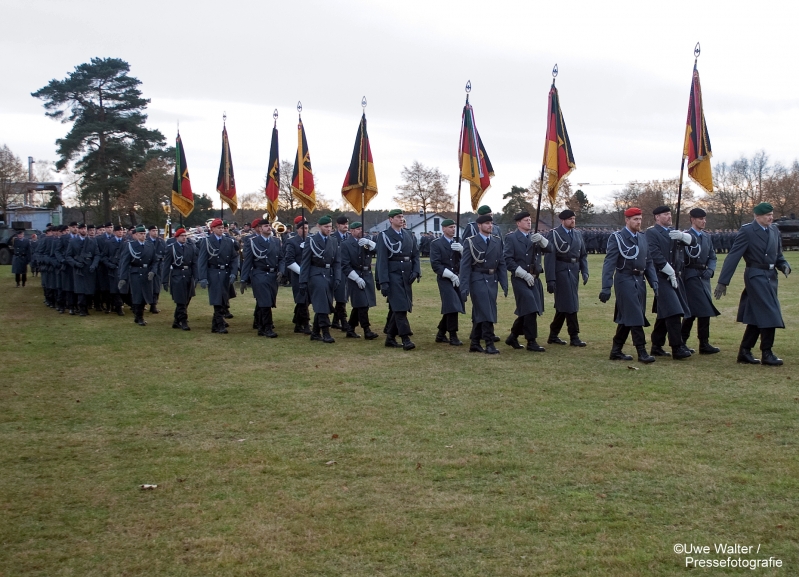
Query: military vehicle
[789, 231]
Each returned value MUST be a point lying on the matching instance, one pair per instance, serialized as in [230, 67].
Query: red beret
[180, 231]
[298, 219]
[255, 223]
[633, 211]
[216, 222]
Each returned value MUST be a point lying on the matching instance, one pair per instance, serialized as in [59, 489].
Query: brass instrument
[277, 226]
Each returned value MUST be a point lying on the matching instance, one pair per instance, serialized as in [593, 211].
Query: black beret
[661, 209]
[264, 221]
[342, 220]
[109, 224]
[117, 227]
[90, 226]
[484, 218]
[697, 213]
[73, 223]
[152, 227]
[520, 215]
[64, 227]
[566, 214]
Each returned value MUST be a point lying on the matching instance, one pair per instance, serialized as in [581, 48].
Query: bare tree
[649, 194]
[12, 172]
[149, 187]
[286, 199]
[425, 188]
[549, 208]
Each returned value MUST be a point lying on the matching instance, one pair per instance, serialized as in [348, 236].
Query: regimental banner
[360, 184]
[697, 141]
[182, 197]
[558, 157]
[273, 178]
[225, 182]
[475, 164]
[302, 184]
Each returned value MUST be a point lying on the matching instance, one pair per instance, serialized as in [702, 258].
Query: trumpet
[277, 226]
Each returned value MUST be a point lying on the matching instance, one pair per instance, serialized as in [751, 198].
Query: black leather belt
[400, 259]
[761, 266]
[140, 265]
[267, 269]
[325, 265]
[365, 268]
[220, 266]
[697, 266]
[632, 271]
[485, 270]
[179, 267]
[564, 259]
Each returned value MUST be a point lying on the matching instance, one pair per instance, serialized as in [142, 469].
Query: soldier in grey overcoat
[445, 260]
[112, 253]
[84, 257]
[218, 267]
[398, 265]
[523, 250]
[700, 266]
[565, 264]
[473, 228]
[671, 302]
[340, 311]
[356, 267]
[320, 275]
[760, 245]
[46, 266]
[179, 272]
[137, 271]
[160, 251]
[66, 295]
[21, 247]
[293, 250]
[627, 263]
[482, 268]
[263, 263]
[102, 301]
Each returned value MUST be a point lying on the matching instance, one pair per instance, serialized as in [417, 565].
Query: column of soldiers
[80, 268]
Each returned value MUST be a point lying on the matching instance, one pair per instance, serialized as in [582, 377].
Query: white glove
[294, 267]
[521, 273]
[366, 242]
[679, 235]
[456, 246]
[353, 276]
[529, 279]
[302, 244]
[669, 272]
[539, 239]
[456, 282]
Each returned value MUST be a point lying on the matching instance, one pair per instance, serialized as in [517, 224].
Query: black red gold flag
[558, 157]
[302, 184]
[273, 177]
[475, 164]
[182, 197]
[360, 184]
[697, 141]
[225, 182]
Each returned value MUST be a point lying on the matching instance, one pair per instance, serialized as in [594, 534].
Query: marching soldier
[66, 297]
[671, 302]
[522, 254]
[566, 262]
[178, 273]
[293, 258]
[102, 301]
[700, 266]
[473, 228]
[136, 268]
[263, 263]
[112, 254]
[627, 262]
[482, 266]
[340, 312]
[46, 266]
[218, 266]
[760, 245]
[356, 266]
[22, 257]
[445, 259]
[320, 275]
[398, 266]
[160, 250]
[83, 256]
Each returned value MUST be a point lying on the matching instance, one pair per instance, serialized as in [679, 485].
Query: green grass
[446, 463]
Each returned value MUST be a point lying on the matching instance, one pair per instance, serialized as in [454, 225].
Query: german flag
[302, 185]
[182, 197]
[697, 141]
[558, 157]
[225, 182]
[475, 165]
[273, 177]
[360, 184]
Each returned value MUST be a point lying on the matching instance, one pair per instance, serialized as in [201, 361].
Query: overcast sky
[625, 73]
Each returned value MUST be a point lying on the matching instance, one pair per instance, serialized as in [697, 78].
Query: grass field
[286, 457]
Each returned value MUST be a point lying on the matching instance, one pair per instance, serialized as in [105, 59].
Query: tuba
[277, 226]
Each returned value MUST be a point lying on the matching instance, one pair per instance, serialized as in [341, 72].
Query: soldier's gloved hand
[415, 276]
[121, 284]
[384, 289]
[707, 274]
[361, 283]
[464, 295]
[786, 269]
[302, 244]
[453, 278]
[111, 266]
[505, 291]
[721, 290]
[92, 268]
[456, 246]
[585, 279]
[203, 283]
[279, 277]
[604, 295]
[243, 287]
[77, 265]
[166, 286]
[295, 267]
[367, 242]
[669, 272]
[683, 237]
[151, 275]
[551, 287]
[232, 277]
[539, 239]
[529, 279]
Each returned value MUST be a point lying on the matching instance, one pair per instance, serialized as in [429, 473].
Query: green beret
[394, 212]
[140, 228]
[356, 224]
[224, 223]
[485, 209]
[763, 208]
[447, 222]
[324, 220]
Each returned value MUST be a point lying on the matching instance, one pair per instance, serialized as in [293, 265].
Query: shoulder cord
[258, 254]
[315, 249]
[625, 250]
[178, 261]
[479, 258]
[689, 249]
[132, 252]
[393, 248]
[559, 247]
[211, 252]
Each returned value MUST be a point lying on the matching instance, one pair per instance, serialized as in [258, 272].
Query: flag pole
[302, 204]
[544, 163]
[365, 164]
[460, 169]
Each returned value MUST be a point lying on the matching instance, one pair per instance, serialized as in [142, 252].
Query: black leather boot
[705, 348]
[534, 346]
[474, 347]
[658, 351]
[616, 354]
[642, 356]
[555, 340]
[407, 344]
[326, 338]
[441, 337]
[512, 341]
[391, 342]
[769, 358]
[681, 352]
[454, 340]
[745, 357]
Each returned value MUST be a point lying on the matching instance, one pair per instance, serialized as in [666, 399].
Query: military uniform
[112, 254]
[356, 260]
[21, 259]
[340, 294]
[66, 294]
[179, 272]
[522, 253]
[83, 256]
[263, 261]
[136, 268]
[160, 251]
[320, 275]
[218, 265]
[564, 265]
[293, 256]
[42, 256]
[700, 266]
[102, 293]
[443, 258]
[398, 265]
